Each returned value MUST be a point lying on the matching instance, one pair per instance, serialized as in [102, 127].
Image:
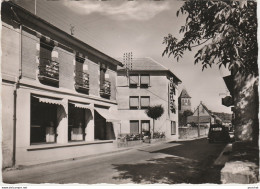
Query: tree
[226, 32]
[183, 117]
[154, 112]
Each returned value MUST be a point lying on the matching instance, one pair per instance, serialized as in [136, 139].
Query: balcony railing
[82, 81]
[105, 89]
[48, 71]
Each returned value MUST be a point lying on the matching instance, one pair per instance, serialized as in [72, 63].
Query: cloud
[120, 10]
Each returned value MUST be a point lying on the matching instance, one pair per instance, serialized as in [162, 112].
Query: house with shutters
[145, 82]
[58, 93]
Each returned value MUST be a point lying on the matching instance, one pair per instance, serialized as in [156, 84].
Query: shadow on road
[191, 162]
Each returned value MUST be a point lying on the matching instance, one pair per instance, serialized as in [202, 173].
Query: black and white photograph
[129, 92]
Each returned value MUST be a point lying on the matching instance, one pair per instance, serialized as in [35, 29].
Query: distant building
[184, 101]
[206, 117]
[149, 83]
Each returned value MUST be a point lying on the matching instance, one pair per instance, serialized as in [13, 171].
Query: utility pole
[199, 120]
[128, 62]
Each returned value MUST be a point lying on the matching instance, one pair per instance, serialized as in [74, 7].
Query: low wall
[192, 132]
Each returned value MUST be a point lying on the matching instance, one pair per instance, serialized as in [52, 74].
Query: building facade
[58, 93]
[148, 84]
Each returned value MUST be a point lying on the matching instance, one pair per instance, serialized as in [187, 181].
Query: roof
[26, 18]
[194, 119]
[184, 94]
[147, 64]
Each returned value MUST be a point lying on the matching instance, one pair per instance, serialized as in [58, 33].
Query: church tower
[184, 101]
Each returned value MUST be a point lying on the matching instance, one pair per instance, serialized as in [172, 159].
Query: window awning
[49, 100]
[108, 115]
[84, 106]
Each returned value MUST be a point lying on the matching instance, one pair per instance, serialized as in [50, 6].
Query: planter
[129, 143]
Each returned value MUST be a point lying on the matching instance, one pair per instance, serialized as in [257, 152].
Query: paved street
[176, 162]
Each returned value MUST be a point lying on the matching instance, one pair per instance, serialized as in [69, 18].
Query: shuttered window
[145, 79]
[134, 102]
[79, 70]
[145, 101]
[173, 127]
[45, 53]
[134, 127]
[133, 80]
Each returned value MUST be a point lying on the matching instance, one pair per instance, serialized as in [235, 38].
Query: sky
[119, 26]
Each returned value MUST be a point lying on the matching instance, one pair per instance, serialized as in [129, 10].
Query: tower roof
[184, 94]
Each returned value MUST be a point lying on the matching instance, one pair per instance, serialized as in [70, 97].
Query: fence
[192, 132]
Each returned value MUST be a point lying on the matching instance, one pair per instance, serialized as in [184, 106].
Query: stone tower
[184, 101]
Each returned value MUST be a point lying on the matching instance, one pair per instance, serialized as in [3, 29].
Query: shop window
[173, 127]
[145, 80]
[76, 126]
[134, 102]
[133, 80]
[48, 68]
[134, 127]
[43, 122]
[145, 102]
[145, 125]
[81, 76]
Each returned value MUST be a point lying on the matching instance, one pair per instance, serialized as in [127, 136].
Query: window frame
[133, 85]
[146, 85]
[145, 121]
[138, 126]
[144, 107]
[134, 107]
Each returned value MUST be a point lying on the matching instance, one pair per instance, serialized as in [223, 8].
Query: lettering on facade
[171, 96]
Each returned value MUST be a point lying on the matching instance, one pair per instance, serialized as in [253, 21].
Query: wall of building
[10, 42]
[158, 92]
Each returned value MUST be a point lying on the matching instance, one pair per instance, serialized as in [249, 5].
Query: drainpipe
[17, 81]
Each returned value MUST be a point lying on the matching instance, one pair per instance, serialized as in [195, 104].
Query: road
[170, 163]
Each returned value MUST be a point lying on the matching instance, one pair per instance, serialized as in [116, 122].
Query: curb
[190, 139]
[224, 155]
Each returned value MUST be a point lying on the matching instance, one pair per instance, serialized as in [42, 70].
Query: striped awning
[110, 116]
[49, 100]
[80, 105]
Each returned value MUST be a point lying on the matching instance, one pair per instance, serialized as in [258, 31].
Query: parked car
[218, 133]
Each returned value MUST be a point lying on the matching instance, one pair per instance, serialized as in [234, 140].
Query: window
[76, 127]
[145, 125]
[133, 80]
[43, 122]
[173, 127]
[48, 68]
[134, 127]
[145, 81]
[134, 102]
[145, 102]
[105, 84]
[81, 76]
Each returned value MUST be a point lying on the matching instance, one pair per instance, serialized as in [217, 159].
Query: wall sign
[171, 96]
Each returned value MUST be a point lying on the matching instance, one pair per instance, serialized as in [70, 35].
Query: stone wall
[192, 132]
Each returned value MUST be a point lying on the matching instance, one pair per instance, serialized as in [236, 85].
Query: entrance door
[100, 126]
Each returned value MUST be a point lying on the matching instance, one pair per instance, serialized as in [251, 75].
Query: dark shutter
[79, 70]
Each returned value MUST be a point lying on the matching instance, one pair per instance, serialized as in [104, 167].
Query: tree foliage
[154, 112]
[183, 117]
[226, 30]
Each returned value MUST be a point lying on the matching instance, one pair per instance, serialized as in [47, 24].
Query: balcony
[82, 82]
[49, 71]
[105, 89]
